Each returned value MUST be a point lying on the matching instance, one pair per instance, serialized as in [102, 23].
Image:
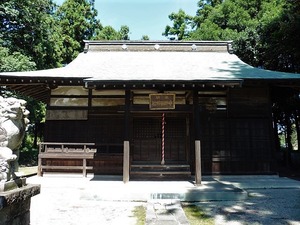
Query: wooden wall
[239, 140]
[236, 137]
[105, 131]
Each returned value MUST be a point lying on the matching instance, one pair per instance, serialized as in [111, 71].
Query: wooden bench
[58, 150]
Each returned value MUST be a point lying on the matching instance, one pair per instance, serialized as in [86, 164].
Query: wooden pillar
[198, 172]
[39, 172]
[198, 175]
[126, 162]
[84, 168]
[126, 148]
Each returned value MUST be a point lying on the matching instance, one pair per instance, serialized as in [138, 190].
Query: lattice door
[147, 141]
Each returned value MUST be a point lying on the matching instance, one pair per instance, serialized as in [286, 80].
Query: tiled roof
[161, 61]
[115, 64]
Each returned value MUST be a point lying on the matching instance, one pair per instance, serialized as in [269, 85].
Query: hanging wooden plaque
[162, 101]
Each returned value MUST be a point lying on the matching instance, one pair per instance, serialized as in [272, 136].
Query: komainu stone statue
[13, 122]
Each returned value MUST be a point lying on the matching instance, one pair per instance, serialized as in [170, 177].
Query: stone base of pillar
[15, 198]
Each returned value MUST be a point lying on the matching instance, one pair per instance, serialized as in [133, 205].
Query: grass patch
[196, 215]
[139, 212]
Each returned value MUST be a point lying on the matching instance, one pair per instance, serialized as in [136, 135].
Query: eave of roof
[140, 61]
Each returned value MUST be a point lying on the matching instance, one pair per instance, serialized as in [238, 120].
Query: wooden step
[158, 163]
[159, 166]
[161, 172]
[161, 169]
[144, 169]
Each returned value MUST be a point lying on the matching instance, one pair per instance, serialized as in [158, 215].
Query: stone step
[165, 212]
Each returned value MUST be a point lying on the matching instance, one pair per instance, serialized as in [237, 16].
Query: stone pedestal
[15, 198]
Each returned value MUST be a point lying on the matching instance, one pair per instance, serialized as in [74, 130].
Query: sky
[143, 17]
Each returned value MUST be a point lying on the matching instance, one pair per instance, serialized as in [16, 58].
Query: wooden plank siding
[105, 131]
[239, 140]
[59, 152]
[236, 138]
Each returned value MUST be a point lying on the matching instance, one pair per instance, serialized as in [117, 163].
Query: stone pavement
[72, 200]
[264, 206]
[271, 200]
[164, 212]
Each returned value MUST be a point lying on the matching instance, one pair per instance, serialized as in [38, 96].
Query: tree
[145, 38]
[26, 27]
[77, 22]
[181, 25]
[14, 61]
[244, 22]
[124, 33]
[205, 8]
[36, 118]
[280, 38]
[109, 33]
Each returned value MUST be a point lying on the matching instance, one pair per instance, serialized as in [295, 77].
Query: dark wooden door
[147, 139]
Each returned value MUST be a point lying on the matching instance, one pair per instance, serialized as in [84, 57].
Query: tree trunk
[275, 130]
[35, 135]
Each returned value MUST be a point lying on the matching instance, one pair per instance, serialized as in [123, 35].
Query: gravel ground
[68, 201]
[67, 209]
[75, 201]
[264, 206]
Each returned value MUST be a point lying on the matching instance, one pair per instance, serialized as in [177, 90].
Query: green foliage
[37, 110]
[28, 154]
[77, 22]
[124, 33]
[109, 33]
[145, 38]
[265, 32]
[280, 38]
[181, 25]
[15, 61]
[248, 47]
[39, 34]
[27, 27]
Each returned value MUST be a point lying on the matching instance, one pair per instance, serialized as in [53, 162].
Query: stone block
[15, 205]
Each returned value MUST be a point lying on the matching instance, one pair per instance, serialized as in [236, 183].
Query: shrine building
[156, 108]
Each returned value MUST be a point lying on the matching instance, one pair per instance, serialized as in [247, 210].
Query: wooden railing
[60, 150]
